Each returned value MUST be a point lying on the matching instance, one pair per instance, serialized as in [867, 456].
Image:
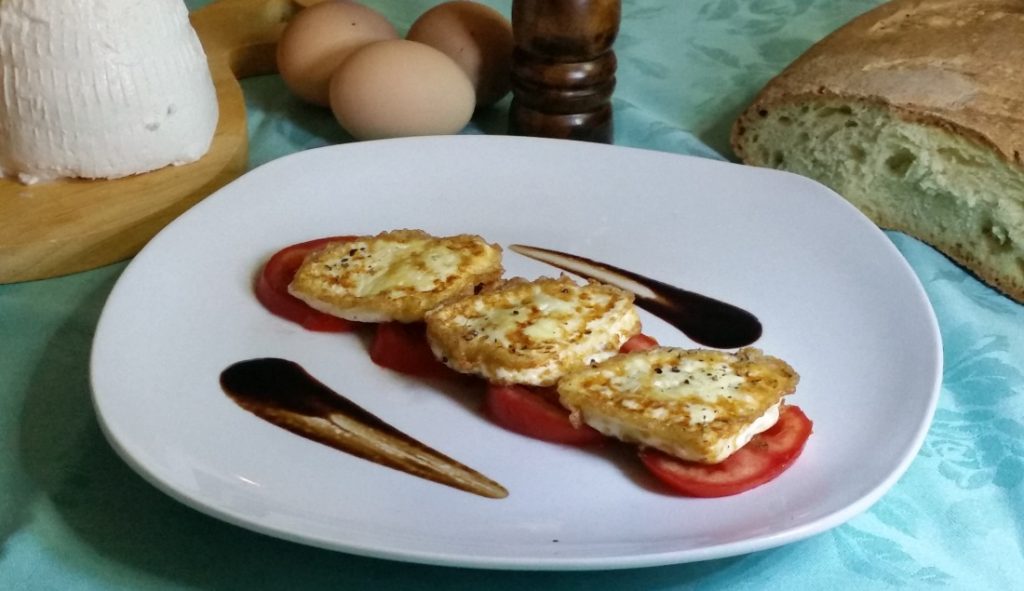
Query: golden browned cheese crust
[696, 404]
[396, 275]
[532, 332]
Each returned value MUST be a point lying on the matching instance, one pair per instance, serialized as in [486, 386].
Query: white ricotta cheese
[101, 88]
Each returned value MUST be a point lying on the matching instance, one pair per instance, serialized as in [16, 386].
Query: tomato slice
[533, 412]
[272, 288]
[638, 342]
[403, 348]
[766, 456]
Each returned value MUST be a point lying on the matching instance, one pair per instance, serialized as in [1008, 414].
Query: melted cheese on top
[532, 332]
[698, 405]
[395, 275]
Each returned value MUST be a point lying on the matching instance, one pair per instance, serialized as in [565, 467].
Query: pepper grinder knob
[563, 68]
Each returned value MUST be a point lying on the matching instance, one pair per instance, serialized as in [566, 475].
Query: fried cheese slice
[394, 276]
[532, 332]
[699, 405]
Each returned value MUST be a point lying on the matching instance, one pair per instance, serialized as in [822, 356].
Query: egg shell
[401, 88]
[318, 38]
[477, 37]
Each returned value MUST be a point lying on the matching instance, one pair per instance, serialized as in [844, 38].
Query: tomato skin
[766, 456]
[404, 348]
[638, 342]
[533, 412]
[272, 288]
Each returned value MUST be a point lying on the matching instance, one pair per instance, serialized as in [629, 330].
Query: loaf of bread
[914, 112]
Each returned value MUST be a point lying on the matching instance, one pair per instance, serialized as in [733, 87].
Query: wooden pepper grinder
[563, 68]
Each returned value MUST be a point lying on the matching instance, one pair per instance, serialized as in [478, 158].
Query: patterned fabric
[74, 516]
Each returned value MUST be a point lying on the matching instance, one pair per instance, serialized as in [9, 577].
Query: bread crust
[954, 64]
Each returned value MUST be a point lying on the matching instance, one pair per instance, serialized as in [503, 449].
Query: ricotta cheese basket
[101, 89]
[117, 116]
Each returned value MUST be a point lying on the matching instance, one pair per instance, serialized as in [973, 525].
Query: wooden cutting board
[65, 226]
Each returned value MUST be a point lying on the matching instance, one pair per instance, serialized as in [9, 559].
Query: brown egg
[477, 37]
[317, 39]
[400, 88]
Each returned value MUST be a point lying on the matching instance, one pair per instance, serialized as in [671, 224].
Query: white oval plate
[835, 297]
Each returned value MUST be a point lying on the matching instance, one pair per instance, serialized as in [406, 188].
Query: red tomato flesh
[533, 412]
[272, 288]
[638, 342]
[766, 456]
[403, 348]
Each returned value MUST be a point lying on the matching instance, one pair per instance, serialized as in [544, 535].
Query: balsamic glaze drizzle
[283, 393]
[703, 319]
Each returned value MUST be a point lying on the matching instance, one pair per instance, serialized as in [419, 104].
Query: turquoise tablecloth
[74, 516]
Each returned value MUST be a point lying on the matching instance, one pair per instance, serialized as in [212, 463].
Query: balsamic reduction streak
[283, 393]
[706, 320]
